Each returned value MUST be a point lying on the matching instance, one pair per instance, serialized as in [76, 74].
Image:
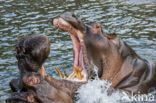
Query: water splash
[96, 91]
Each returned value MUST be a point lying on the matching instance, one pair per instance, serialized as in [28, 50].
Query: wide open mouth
[72, 26]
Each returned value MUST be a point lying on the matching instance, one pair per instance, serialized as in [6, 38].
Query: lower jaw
[84, 78]
[78, 63]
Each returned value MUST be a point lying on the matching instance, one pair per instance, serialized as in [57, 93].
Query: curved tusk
[59, 72]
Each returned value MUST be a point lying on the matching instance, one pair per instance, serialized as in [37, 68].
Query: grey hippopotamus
[33, 84]
[116, 61]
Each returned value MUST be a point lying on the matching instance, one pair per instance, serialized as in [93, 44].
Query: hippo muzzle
[69, 23]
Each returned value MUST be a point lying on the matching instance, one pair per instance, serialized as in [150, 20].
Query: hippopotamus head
[91, 45]
[31, 52]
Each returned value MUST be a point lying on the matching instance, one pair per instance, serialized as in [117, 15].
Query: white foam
[96, 92]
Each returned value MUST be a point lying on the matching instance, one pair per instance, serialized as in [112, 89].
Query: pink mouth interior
[77, 49]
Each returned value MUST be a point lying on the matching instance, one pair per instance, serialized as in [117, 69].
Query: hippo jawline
[78, 53]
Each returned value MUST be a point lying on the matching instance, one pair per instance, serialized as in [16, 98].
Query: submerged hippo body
[115, 60]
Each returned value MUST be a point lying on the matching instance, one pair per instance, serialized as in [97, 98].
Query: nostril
[97, 26]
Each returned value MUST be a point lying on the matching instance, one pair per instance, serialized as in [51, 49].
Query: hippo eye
[97, 26]
[17, 49]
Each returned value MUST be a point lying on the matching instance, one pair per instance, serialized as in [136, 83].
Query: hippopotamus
[115, 60]
[33, 84]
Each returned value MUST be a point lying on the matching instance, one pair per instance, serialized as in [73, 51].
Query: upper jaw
[69, 18]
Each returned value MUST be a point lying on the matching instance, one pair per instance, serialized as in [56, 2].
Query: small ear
[17, 49]
[110, 36]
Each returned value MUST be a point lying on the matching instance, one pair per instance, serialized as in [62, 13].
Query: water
[96, 91]
[133, 20]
